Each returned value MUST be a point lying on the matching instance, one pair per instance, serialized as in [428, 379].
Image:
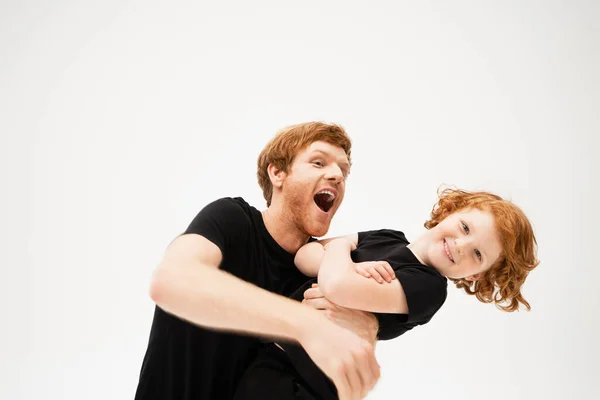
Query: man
[222, 285]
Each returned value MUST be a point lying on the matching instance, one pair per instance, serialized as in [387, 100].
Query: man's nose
[334, 173]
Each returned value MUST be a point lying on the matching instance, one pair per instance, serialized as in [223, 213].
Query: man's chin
[318, 230]
[318, 225]
[319, 233]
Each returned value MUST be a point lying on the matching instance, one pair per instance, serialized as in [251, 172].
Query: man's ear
[475, 277]
[276, 175]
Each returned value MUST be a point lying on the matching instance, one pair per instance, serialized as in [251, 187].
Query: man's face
[314, 187]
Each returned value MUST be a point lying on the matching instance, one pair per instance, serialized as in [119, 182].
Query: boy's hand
[378, 270]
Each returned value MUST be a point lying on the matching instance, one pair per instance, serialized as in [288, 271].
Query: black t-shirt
[424, 287]
[184, 361]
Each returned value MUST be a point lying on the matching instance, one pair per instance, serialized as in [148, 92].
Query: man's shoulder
[229, 201]
[225, 214]
[231, 206]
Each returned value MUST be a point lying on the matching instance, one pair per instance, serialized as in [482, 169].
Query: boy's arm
[308, 258]
[189, 284]
[340, 284]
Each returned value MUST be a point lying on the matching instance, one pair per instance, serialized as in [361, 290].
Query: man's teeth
[328, 193]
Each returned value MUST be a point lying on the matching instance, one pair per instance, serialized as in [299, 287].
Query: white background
[120, 120]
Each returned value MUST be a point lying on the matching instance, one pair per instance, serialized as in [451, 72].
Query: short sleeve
[381, 236]
[223, 222]
[425, 292]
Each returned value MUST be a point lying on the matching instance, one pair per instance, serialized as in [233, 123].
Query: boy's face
[464, 245]
[314, 186]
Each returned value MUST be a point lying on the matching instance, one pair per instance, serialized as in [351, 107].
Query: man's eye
[478, 254]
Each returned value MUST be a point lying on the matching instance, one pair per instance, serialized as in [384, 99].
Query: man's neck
[283, 230]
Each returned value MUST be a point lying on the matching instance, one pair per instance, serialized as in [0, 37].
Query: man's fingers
[343, 389]
[319, 303]
[313, 293]
[374, 369]
[346, 381]
[355, 381]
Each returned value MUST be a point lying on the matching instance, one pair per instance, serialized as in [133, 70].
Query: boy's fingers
[376, 274]
[390, 270]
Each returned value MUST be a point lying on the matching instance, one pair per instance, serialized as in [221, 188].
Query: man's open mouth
[324, 200]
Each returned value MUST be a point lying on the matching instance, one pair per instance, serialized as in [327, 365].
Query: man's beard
[300, 212]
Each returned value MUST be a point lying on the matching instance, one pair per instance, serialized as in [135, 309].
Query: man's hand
[347, 359]
[362, 323]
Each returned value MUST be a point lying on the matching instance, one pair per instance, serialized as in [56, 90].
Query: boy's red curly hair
[502, 282]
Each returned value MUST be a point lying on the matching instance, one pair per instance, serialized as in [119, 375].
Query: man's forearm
[212, 298]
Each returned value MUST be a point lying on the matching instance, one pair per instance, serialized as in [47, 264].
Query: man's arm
[363, 323]
[339, 283]
[189, 284]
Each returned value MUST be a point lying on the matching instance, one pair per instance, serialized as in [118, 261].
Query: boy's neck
[419, 248]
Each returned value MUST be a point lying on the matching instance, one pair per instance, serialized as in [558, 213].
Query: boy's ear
[276, 175]
[475, 277]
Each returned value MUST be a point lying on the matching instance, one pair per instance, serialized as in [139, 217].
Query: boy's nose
[460, 245]
[463, 245]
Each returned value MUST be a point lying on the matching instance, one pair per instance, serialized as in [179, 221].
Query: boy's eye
[478, 254]
[318, 163]
[466, 228]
